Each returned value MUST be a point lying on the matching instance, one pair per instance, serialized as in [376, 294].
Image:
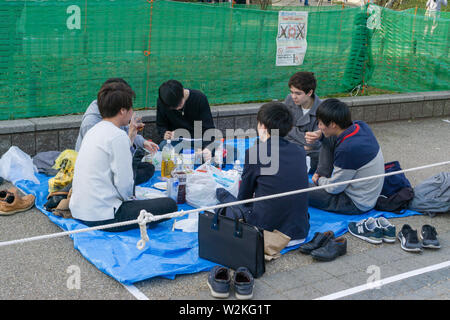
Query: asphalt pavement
[45, 269]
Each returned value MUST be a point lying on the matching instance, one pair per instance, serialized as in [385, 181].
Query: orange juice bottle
[168, 160]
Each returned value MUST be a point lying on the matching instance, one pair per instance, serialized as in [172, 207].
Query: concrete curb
[35, 135]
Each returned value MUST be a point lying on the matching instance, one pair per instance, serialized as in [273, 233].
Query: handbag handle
[237, 224]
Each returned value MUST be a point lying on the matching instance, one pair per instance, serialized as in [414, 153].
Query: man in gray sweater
[92, 116]
[302, 102]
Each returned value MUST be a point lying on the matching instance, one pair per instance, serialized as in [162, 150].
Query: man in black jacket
[178, 108]
[280, 166]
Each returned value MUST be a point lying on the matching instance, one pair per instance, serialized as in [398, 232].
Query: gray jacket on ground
[303, 123]
[90, 118]
[432, 194]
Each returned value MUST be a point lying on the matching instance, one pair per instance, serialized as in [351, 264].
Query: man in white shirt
[102, 187]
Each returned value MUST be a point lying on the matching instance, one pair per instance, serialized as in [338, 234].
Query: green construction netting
[54, 55]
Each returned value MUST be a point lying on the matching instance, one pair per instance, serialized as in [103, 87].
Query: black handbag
[231, 243]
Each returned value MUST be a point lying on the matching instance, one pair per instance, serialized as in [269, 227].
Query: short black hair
[334, 110]
[303, 80]
[111, 80]
[275, 115]
[171, 93]
[114, 96]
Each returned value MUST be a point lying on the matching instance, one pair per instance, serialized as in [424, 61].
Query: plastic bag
[229, 180]
[154, 159]
[65, 163]
[202, 184]
[200, 189]
[16, 165]
[187, 225]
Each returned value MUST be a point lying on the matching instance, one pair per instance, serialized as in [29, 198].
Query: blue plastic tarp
[169, 252]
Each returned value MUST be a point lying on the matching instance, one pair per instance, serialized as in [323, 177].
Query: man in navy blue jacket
[275, 165]
[352, 152]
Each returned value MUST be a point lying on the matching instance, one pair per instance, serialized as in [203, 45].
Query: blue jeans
[320, 199]
[339, 203]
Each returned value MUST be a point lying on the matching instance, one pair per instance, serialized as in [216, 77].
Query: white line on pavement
[135, 292]
[381, 282]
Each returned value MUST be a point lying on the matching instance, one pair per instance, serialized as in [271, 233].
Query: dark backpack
[397, 202]
[397, 192]
[394, 183]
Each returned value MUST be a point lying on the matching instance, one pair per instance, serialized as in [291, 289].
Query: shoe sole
[429, 246]
[217, 294]
[3, 213]
[408, 249]
[378, 241]
[389, 240]
[305, 252]
[319, 258]
[243, 296]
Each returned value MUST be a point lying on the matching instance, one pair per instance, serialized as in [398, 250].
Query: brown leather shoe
[15, 203]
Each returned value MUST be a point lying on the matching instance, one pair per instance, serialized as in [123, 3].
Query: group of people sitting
[340, 149]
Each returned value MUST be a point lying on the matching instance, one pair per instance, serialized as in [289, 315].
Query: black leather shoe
[331, 250]
[319, 240]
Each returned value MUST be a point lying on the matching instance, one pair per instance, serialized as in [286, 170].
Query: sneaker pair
[325, 247]
[219, 283]
[373, 230]
[409, 241]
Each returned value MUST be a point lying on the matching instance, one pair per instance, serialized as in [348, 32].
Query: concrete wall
[59, 133]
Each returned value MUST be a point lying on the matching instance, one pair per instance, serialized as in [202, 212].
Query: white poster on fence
[291, 38]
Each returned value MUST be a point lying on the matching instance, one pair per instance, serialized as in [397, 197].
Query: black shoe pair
[325, 247]
[409, 241]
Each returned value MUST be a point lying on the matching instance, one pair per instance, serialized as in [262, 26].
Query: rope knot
[144, 218]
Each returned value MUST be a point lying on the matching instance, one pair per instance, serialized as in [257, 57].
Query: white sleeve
[121, 166]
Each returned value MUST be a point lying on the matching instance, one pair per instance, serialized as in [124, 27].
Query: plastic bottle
[198, 157]
[168, 160]
[180, 174]
[218, 157]
[237, 166]
[188, 159]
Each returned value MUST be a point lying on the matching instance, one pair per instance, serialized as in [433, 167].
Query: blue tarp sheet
[169, 253]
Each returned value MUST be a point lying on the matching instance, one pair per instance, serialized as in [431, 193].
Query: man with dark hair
[352, 152]
[288, 215]
[178, 108]
[141, 171]
[92, 116]
[303, 103]
[102, 187]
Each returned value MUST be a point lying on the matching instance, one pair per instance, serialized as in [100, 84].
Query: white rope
[146, 217]
[143, 218]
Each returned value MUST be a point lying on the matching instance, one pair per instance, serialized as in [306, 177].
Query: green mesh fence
[410, 52]
[54, 55]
